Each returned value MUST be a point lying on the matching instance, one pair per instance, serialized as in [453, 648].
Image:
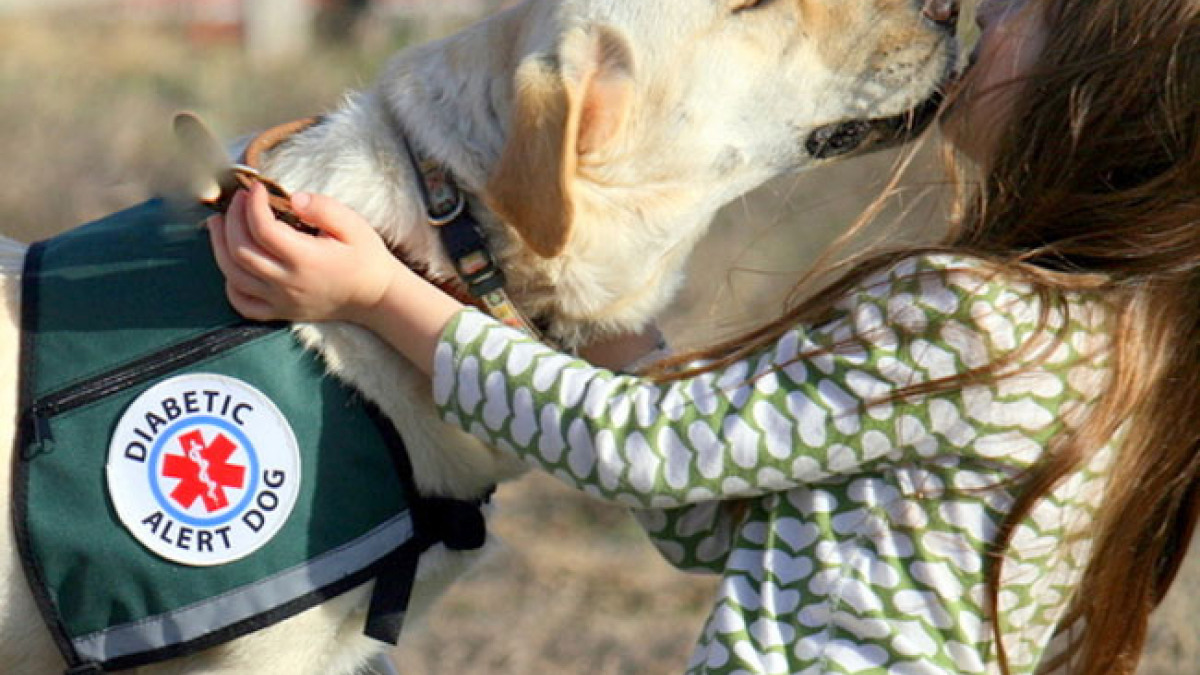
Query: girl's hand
[275, 272]
[346, 273]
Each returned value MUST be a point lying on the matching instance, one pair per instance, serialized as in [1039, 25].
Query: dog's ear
[563, 109]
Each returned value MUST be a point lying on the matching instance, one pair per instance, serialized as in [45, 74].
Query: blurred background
[87, 92]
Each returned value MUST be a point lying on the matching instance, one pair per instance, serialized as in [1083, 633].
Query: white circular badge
[203, 469]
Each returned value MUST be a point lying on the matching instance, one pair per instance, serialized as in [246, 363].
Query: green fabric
[858, 540]
[142, 278]
[137, 282]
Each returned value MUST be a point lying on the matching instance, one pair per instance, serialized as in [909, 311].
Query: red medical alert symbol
[204, 471]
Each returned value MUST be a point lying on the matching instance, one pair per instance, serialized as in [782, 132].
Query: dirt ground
[85, 110]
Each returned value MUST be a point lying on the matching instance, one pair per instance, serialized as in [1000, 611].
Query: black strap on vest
[456, 523]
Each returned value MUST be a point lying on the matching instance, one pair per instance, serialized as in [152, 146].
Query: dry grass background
[84, 112]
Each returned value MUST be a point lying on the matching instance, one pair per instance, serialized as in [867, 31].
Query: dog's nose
[942, 12]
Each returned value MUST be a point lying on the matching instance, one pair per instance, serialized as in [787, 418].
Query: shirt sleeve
[812, 405]
[696, 538]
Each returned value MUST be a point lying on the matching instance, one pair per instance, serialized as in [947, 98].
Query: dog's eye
[744, 5]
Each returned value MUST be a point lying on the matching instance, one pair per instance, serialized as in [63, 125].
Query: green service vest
[184, 476]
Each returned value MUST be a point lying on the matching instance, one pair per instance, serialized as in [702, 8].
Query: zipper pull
[41, 437]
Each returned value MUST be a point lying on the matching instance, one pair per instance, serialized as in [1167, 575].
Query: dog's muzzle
[863, 136]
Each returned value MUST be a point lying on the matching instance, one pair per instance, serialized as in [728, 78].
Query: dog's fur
[599, 137]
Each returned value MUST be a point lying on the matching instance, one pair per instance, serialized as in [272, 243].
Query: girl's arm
[812, 406]
[817, 405]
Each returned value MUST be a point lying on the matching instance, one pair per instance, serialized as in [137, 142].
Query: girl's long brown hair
[1094, 185]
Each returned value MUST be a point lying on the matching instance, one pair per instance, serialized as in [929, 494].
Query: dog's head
[697, 101]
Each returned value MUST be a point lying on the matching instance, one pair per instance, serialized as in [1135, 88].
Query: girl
[945, 458]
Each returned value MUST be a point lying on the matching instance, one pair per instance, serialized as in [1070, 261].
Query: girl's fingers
[274, 272]
[220, 247]
[243, 250]
[333, 218]
[248, 305]
[265, 230]
[235, 275]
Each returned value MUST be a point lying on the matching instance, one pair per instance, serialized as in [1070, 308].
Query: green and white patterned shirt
[861, 545]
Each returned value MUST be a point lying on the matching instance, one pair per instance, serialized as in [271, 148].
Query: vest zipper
[132, 374]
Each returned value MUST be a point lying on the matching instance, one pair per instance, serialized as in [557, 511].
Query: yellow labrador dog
[596, 138]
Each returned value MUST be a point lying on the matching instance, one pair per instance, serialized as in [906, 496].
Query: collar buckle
[447, 212]
[455, 211]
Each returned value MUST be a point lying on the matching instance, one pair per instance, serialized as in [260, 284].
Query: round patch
[203, 469]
